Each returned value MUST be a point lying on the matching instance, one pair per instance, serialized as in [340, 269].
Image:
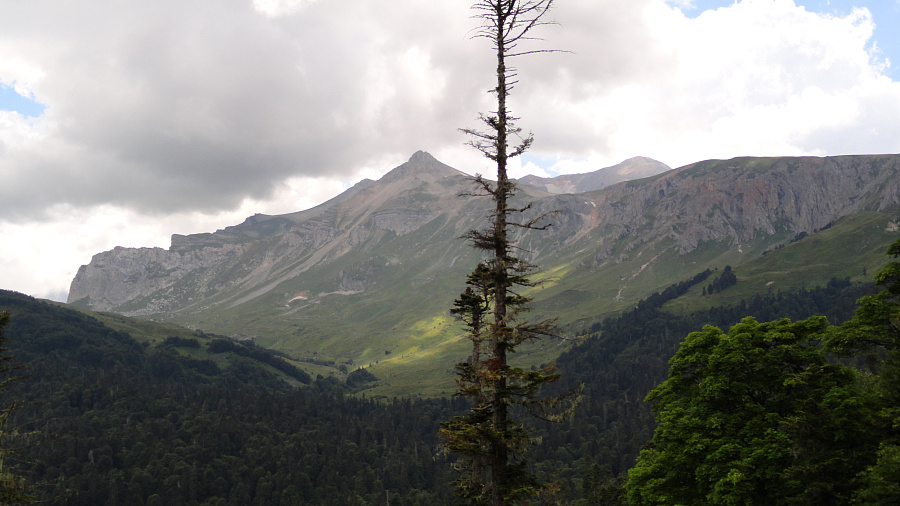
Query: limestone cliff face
[740, 199]
[725, 201]
[403, 231]
[131, 275]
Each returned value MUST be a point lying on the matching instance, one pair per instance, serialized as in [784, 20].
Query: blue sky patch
[543, 163]
[885, 14]
[12, 101]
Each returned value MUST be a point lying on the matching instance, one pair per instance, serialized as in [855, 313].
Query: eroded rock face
[734, 200]
[416, 208]
[122, 275]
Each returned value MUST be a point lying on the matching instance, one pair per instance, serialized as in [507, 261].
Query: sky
[125, 121]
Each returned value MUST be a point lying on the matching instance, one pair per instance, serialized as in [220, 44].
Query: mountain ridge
[634, 168]
[369, 276]
[421, 169]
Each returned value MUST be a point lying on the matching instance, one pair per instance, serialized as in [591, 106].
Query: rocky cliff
[745, 198]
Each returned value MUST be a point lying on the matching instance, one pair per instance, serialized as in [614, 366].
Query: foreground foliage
[761, 415]
[873, 333]
[756, 414]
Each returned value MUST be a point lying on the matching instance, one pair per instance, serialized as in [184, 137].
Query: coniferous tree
[875, 331]
[465, 434]
[12, 485]
[488, 440]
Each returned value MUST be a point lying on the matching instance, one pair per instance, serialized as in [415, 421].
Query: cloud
[756, 78]
[167, 106]
[277, 8]
[683, 4]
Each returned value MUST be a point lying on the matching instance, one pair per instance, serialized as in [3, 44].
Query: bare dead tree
[488, 441]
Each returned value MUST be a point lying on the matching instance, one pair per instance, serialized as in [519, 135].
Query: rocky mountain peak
[422, 166]
[421, 157]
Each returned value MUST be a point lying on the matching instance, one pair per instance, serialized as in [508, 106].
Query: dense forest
[118, 421]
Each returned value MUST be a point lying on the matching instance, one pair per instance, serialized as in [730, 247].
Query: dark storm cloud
[165, 106]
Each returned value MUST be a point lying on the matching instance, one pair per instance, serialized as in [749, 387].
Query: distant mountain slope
[369, 276]
[633, 168]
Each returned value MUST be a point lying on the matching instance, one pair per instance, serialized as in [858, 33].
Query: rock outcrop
[739, 199]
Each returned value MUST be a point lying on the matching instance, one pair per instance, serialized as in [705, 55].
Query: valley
[260, 361]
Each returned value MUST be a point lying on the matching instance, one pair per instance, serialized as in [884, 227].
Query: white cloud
[682, 4]
[277, 8]
[19, 75]
[756, 78]
[518, 169]
[178, 106]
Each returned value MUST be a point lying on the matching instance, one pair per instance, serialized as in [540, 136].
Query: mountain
[633, 168]
[139, 281]
[368, 277]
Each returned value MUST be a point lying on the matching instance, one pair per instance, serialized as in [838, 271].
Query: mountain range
[367, 278]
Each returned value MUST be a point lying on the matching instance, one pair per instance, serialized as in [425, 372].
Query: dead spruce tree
[487, 440]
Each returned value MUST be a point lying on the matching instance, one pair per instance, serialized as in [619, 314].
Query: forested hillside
[127, 422]
[122, 422]
[627, 356]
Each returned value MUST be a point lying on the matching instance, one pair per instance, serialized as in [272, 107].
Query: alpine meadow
[721, 332]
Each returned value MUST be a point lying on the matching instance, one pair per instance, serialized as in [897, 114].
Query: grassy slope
[853, 247]
[416, 352]
[405, 335]
[155, 333]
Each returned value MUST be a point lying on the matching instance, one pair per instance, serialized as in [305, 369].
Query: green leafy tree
[874, 333]
[881, 481]
[754, 416]
[487, 439]
[13, 489]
